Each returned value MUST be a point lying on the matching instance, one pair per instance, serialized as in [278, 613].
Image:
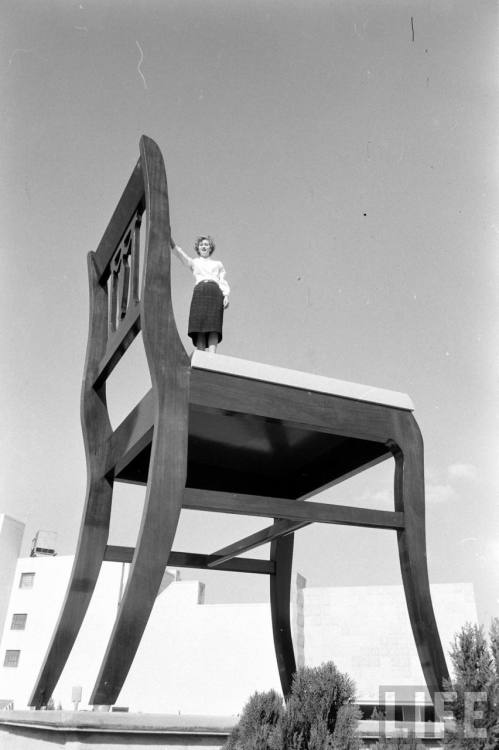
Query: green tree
[476, 671]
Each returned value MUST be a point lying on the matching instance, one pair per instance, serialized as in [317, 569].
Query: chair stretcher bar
[115, 553]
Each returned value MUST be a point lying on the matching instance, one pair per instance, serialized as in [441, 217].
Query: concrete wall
[57, 729]
[366, 631]
[205, 659]
[11, 536]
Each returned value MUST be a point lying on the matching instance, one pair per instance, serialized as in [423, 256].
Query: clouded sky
[344, 156]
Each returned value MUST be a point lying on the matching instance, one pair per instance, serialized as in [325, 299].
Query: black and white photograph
[249, 374]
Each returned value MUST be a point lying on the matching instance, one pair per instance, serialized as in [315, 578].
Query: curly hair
[205, 237]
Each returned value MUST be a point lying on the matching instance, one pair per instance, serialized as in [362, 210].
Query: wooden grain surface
[248, 454]
[281, 553]
[95, 522]
[179, 559]
[410, 500]
[264, 536]
[292, 510]
[131, 199]
[293, 406]
[169, 367]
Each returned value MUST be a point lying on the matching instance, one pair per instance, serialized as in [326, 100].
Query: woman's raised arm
[183, 257]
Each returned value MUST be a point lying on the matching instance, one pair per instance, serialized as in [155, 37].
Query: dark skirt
[207, 310]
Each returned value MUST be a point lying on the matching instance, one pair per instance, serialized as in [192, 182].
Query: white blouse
[204, 269]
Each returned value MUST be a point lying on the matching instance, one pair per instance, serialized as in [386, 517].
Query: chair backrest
[123, 304]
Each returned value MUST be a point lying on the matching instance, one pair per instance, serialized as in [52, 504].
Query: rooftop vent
[43, 545]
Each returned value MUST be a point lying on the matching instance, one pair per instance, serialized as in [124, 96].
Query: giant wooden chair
[219, 434]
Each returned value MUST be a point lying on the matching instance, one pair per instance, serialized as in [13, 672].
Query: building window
[11, 658]
[27, 581]
[18, 621]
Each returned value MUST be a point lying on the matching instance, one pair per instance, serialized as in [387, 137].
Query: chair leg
[94, 530]
[409, 498]
[86, 567]
[167, 473]
[281, 553]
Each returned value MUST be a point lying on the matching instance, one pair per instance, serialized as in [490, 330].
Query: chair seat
[294, 378]
[254, 447]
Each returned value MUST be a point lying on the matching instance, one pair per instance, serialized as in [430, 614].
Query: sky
[344, 157]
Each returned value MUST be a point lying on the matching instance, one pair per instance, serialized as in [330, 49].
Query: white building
[11, 536]
[208, 658]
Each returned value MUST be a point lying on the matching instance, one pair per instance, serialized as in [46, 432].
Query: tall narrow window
[27, 581]
[11, 658]
[19, 621]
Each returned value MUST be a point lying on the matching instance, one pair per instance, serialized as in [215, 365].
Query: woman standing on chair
[210, 296]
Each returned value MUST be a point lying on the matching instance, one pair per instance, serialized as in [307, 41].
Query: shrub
[345, 732]
[317, 695]
[320, 715]
[259, 725]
